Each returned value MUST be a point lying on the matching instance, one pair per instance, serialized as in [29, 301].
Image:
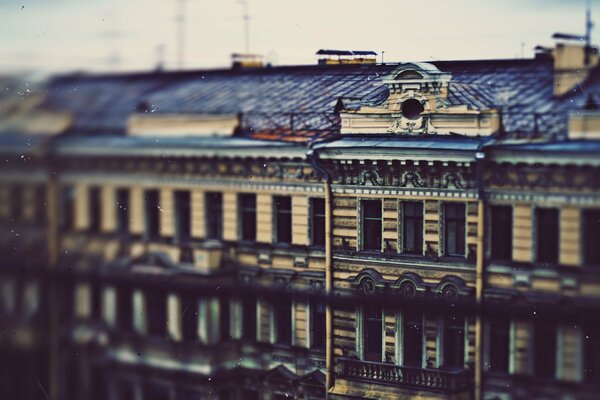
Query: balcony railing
[422, 378]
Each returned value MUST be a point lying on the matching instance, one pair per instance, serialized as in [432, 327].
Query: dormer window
[412, 109]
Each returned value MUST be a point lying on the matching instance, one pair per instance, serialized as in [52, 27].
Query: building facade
[359, 231]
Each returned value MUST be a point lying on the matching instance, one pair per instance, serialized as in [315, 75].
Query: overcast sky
[100, 35]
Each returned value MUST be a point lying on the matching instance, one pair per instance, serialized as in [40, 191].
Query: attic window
[412, 109]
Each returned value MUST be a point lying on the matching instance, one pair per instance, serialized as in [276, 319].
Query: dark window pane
[454, 229]
[283, 322]
[96, 301]
[591, 353]
[67, 204]
[182, 215]
[591, 237]
[247, 204]
[499, 344]
[371, 224]
[123, 210]
[94, 209]
[156, 392]
[547, 235]
[317, 209]
[454, 341]
[249, 318]
[544, 345]
[214, 215]
[501, 232]
[413, 227]
[413, 339]
[283, 218]
[372, 333]
[317, 326]
[41, 202]
[225, 319]
[156, 312]
[151, 214]
[189, 317]
[124, 308]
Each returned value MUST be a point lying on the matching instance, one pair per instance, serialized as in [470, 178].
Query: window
[412, 228]
[247, 203]
[317, 222]
[40, 204]
[151, 214]
[317, 326]
[224, 319]
[94, 209]
[124, 308]
[454, 229]
[412, 339]
[182, 216]
[283, 322]
[67, 204]
[214, 215]
[16, 203]
[189, 317]
[283, 219]
[547, 235]
[95, 301]
[371, 225]
[122, 211]
[501, 239]
[249, 318]
[591, 353]
[591, 237]
[499, 344]
[156, 392]
[372, 333]
[544, 346]
[156, 312]
[454, 341]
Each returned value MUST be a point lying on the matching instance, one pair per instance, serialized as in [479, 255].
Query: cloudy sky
[100, 35]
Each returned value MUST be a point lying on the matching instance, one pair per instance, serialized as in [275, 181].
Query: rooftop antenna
[246, 19]
[382, 53]
[180, 33]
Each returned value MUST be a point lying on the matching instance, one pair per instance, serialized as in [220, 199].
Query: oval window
[412, 108]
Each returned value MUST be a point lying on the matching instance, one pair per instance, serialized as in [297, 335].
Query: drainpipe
[313, 157]
[479, 157]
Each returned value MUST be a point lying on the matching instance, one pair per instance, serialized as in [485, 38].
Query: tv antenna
[180, 19]
[246, 19]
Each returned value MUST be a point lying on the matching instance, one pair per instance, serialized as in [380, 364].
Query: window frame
[182, 217]
[313, 217]
[213, 215]
[552, 258]
[243, 210]
[362, 224]
[282, 235]
[151, 214]
[123, 213]
[445, 229]
[588, 241]
[402, 227]
[494, 209]
[94, 209]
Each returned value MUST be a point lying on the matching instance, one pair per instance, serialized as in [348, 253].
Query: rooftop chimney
[572, 63]
[243, 60]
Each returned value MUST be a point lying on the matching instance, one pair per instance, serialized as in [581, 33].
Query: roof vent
[244, 60]
[335, 57]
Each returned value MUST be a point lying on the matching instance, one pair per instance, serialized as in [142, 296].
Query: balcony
[446, 381]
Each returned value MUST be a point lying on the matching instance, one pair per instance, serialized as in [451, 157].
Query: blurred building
[348, 230]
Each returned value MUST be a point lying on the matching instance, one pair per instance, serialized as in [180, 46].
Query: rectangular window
[454, 229]
[67, 208]
[317, 326]
[547, 235]
[591, 237]
[317, 222]
[372, 333]
[16, 203]
[224, 319]
[499, 344]
[123, 211]
[151, 207]
[412, 339]
[156, 312]
[371, 225]
[247, 205]
[189, 317]
[214, 215]
[249, 318]
[283, 321]
[501, 239]
[544, 346]
[41, 204]
[124, 308]
[412, 228]
[96, 301]
[283, 218]
[182, 216]
[591, 353]
[94, 209]
[454, 341]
